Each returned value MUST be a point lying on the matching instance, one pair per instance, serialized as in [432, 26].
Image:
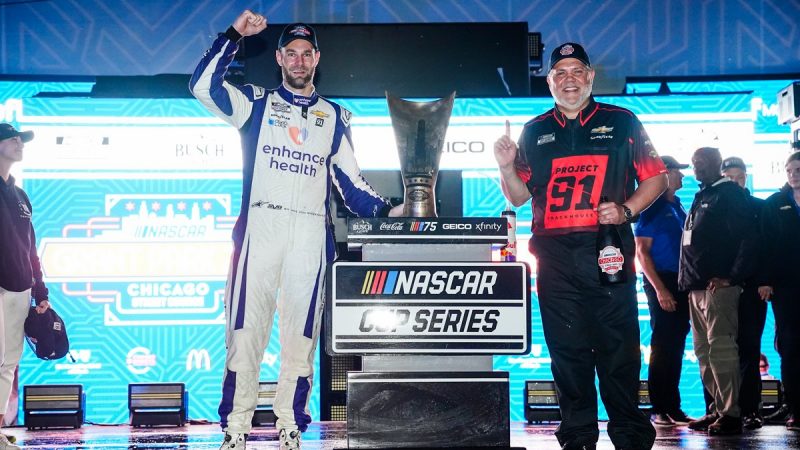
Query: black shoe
[702, 423]
[752, 421]
[680, 417]
[779, 416]
[663, 420]
[578, 446]
[792, 424]
[726, 425]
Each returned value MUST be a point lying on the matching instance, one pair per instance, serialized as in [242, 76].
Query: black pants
[667, 345]
[752, 315]
[786, 307]
[589, 327]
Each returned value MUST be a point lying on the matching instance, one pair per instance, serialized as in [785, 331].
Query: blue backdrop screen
[135, 199]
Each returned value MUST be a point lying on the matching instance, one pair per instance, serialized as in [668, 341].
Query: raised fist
[249, 23]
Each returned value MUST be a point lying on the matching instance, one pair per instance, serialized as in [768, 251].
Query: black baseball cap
[734, 162]
[569, 50]
[8, 131]
[298, 31]
[673, 163]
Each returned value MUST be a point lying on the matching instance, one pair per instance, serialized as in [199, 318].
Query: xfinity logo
[198, 359]
[427, 282]
[483, 226]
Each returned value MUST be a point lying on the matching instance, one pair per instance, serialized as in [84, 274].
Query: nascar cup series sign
[428, 308]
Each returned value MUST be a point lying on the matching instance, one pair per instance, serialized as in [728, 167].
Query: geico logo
[465, 147]
[167, 289]
[456, 226]
[424, 282]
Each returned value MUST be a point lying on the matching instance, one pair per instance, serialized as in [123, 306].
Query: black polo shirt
[569, 164]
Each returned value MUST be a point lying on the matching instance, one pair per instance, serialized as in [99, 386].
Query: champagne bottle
[509, 251]
[610, 259]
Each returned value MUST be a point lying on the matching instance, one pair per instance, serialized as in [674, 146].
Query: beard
[297, 82]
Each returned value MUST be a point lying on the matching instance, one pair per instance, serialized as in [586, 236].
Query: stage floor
[330, 435]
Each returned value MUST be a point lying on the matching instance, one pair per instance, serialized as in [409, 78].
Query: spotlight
[264, 415]
[771, 396]
[541, 401]
[54, 406]
[153, 404]
[644, 397]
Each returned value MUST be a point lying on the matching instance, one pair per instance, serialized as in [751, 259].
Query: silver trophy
[419, 129]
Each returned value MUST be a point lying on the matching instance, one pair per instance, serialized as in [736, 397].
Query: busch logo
[610, 260]
[361, 227]
[396, 226]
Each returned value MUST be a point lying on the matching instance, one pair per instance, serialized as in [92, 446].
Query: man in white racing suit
[294, 145]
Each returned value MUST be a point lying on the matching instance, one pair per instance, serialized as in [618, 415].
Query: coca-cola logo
[610, 260]
[396, 226]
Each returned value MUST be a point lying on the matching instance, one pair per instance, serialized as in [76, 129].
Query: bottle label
[610, 260]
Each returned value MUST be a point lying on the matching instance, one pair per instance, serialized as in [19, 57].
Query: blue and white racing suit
[293, 148]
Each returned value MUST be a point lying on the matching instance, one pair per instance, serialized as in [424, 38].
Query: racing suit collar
[295, 99]
[583, 116]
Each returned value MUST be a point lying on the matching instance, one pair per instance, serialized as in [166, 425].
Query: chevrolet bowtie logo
[602, 130]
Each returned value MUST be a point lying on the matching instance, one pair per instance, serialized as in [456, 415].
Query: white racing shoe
[235, 440]
[7, 444]
[289, 439]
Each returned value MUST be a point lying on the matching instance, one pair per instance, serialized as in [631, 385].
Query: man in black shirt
[752, 314]
[568, 158]
[20, 272]
[717, 256]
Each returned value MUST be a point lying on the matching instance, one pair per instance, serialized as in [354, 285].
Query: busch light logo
[610, 260]
[361, 227]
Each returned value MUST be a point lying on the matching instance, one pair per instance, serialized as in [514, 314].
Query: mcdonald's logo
[198, 359]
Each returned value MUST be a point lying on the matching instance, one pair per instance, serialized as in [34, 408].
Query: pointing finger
[508, 129]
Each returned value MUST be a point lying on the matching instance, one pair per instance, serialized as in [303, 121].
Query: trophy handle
[419, 130]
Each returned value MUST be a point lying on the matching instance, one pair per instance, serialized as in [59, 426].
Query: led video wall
[135, 199]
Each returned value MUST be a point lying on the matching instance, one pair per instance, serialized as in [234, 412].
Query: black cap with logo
[672, 163]
[8, 131]
[569, 50]
[734, 162]
[298, 31]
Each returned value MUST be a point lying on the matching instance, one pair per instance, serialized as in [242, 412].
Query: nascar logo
[425, 282]
[423, 226]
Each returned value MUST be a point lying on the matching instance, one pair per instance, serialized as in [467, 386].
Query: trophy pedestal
[427, 409]
[427, 378]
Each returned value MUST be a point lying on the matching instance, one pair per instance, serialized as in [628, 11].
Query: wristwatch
[629, 217]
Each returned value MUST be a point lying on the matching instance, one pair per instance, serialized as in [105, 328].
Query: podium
[426, 309]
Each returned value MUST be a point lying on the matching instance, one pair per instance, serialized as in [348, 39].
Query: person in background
[20, 270]
[295, 146]
[658, 247]
[780, 227]
[717, 256]
[567, 159]
[752, 313]
[763, 368]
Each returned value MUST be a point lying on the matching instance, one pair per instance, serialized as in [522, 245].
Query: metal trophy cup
[419, 128]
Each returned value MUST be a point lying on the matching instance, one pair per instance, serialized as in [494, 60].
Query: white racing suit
[293, 148]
